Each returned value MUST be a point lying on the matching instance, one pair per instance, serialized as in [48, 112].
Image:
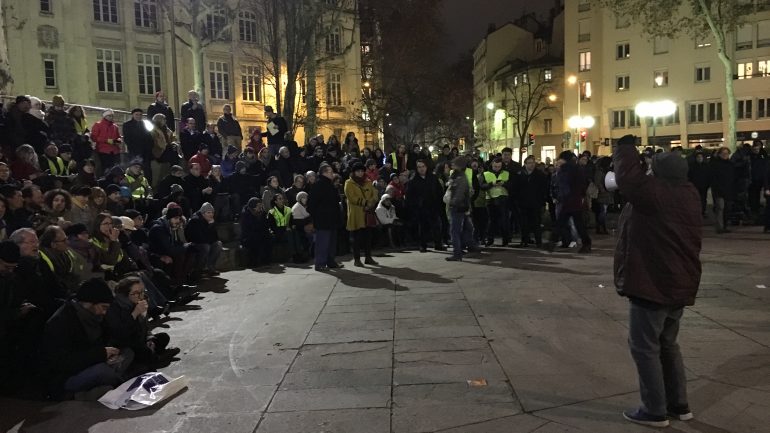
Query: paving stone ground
[508, 341]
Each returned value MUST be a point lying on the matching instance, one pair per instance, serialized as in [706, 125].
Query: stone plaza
[510, 340]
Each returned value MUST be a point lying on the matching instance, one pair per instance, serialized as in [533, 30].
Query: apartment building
[615, 67]
[513, 62]
[118, 53]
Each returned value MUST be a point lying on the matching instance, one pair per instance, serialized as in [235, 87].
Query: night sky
[467, 21]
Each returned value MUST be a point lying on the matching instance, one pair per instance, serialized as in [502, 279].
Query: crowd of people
[121, 221]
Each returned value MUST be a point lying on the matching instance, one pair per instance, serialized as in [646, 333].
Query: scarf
[299, 212]
[92, 324]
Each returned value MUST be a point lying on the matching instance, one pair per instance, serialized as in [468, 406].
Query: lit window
[547, 75]
[247, 27]
[146, 13]
[548, 126]
[763, 68]
[106, 11]
[334, 89]
[366, 48]
[660, 79]
[109, 70]
[251, 83]
[745, 70]
[584, 61]
[219, 80]
[585, 91]
[149, 73]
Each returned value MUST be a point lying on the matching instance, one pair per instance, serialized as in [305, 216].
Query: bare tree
[201, 23]
[8, 19]
[528, 95]
[696, 18]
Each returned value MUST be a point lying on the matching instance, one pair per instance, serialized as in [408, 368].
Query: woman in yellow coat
[362, 201]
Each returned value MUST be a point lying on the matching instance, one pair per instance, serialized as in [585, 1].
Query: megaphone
[609, 181]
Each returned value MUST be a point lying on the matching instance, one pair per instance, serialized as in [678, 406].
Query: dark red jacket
[657, 255]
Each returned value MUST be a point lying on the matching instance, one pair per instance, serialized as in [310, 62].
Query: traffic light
[531, 139]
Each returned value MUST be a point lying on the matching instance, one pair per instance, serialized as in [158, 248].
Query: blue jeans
[208, 254]
[462, 232]
[100, 374]
[325, 247]
[652, 338]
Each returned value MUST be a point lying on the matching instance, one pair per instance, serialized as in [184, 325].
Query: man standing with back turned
[657, 266]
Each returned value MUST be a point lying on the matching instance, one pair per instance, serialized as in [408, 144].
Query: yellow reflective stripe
[281, 219]
[46, 259]
[53, 167]
[496, 191]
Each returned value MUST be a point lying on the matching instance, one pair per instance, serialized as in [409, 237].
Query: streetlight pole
[573, 81]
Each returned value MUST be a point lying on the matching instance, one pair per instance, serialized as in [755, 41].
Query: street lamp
[654, 110]
[490, 105]
[572, 80]
[552, 97]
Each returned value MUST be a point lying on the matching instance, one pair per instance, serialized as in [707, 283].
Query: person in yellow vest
[279, 219]
[53, 163]
[496, 182]
[104, 238]
[57, 259]
[399, 159]
[136, 181]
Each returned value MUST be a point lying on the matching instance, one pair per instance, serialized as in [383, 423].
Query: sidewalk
[509, 341]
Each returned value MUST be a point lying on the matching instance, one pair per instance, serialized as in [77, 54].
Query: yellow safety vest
[394, 157]
[281, 218]
[57, 168]
[141, 190]
[48, 261]
[98, 244]
[496, 190]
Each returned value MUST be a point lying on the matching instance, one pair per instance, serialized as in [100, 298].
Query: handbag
[371, 219]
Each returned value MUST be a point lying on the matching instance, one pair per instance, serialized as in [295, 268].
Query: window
[149, 73]
[672, 119]
[515, 81]
[109, 70]
[622, 83]
[525, 78]
[763, 68]
[539, 45]
[366, 49]
[763, 33]
[247, 27]
[334, 89]
[619, 119]
[584, 61]
[46, 6]
[584, 5]
[548, 126]
[215, 24]
[633, 120]
[743, 37]
[219, 80]
[702, 74]
[715, 111]
[763, 108]
[334, 41]
[697, 112]
[49, 73]
[146, 13]
[660, 79]
[584, 30]
[660, 45]
[745, 109]
[745, 70]
[251, 83]
[547, 75]
[106, 11]
[622, 51]
[585, 91]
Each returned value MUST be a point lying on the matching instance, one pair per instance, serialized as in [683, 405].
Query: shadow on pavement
[412, 275]
[363, 281]
[529, 260]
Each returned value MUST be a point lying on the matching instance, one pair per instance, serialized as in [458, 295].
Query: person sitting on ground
[297, 187]
[32, 286]
[25, 166]
[279, 217]
[389, 221]
[175, 176]
[114, 176]
[169, 252]
[202, 159]
[86, 176]
[57, 204]
[196, 186]
[202, 233]
[104, 238]
[303, 224]
[58, 268]
[255, 233]
[114, 204]
[76, 355]
[137, 182]
[83, 251]
[242, 185]
[284, 166]
[270, 190]
[229, 161]
[126, 324]
[80, 212]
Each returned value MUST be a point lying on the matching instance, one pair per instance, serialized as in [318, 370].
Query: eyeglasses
[140, 295]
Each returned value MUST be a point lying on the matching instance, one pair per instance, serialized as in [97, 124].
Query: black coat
[162, 241]
[722, 177]
[199, 114]
[255, 230]
[164, 186]
[138, 139]
[278, 137]
[190, 142]
[66, 348]
[125, 331]
[323, 204]
[424, 195]
[199, 231]
[193, 190]
[165, 110]
[531, 189]
[213, 143]
[699, 175]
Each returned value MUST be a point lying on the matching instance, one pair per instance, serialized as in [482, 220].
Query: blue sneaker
[639, 416]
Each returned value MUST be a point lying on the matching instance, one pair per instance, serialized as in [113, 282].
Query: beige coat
[360, 198]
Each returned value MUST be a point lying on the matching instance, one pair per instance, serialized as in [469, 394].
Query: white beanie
[207, 207]
[107, 112]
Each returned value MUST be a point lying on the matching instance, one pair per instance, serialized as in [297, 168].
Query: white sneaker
[572, 244]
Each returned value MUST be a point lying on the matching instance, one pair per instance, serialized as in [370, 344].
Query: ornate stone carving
[47, 36]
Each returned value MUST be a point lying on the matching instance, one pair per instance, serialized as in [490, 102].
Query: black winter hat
[173, 212]
[112, 189]
[567, 155]
[9, 252]
[95, 291]
[669, 166]
[76, 229]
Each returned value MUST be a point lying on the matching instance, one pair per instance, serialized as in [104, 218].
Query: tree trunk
[275, 54]
[197, 63]
[730, 139]
[311, 118]
[289, 102]
[6, 80]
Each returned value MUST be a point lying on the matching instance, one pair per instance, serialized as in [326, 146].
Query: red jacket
[203, 161]
[660, 231]
[102, 131]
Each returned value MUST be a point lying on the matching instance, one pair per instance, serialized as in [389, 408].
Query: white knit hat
[108, 112]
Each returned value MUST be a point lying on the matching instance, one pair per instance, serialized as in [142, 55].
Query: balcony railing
[584, 37]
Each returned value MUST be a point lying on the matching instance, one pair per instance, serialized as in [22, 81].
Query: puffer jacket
[657, 255]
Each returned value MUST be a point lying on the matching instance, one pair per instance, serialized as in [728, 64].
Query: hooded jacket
[657, 255]
[386, 215]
